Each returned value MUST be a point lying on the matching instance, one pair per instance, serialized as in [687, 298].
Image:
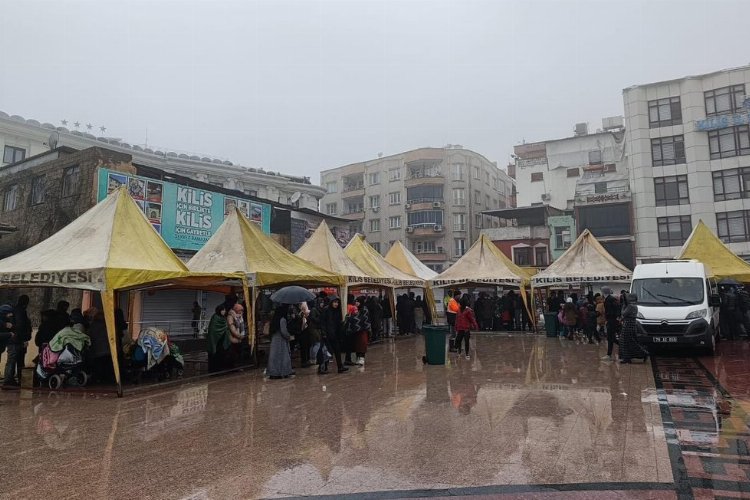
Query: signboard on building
[718, 122]
[597, 198]
[303, 226]
[186, 217]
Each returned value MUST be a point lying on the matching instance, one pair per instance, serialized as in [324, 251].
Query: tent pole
[108, 302]
[249, 294]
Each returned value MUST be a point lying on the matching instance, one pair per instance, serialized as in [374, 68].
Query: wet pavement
[527, 417]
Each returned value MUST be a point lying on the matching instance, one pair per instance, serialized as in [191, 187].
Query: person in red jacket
[465, 322]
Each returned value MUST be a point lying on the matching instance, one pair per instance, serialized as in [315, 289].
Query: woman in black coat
[332, 324]
[629, 346]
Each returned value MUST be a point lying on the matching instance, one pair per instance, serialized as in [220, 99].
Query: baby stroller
[154, 356]
[62, 368]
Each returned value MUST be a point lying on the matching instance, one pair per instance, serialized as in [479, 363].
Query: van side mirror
[714, 300]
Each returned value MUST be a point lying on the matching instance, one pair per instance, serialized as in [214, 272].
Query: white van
[678, 304]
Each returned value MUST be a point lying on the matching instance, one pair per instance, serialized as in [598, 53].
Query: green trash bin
[435, 343]
[550, 324]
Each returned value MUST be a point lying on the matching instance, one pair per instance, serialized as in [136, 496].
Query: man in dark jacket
[332, 324]
[17, 345]
[376, 317]
[611, 314]
[387, 316]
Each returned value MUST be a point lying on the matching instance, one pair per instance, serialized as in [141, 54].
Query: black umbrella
[292, 295]
[730, 282]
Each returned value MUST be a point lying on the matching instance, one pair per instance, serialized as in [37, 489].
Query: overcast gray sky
[300, 86]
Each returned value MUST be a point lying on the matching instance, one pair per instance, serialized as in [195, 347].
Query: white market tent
[586, 261]
[400, 257]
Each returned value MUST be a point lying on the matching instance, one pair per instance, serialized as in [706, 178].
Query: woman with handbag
[363, 327]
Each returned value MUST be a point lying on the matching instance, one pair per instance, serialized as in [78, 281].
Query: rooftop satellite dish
[54, 138]
[295, 197]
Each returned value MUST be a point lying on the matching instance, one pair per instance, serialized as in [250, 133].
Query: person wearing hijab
[280, 354]
[332, 328]
[629, 347]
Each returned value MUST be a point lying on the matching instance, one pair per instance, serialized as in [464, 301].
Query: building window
[733, 226]
[374, 225]
[251, 192]
[600, 187]
[12, 154]
[375, 201]
[425, 218]
[376, 246]
[486, 202]
[673, 231]
[331, 208]
[562, 238]
[477, 173]
[394, 174]
[574, 172]
[459, 222]
[595, 157]
[459, 196]
[458, 171]
[522, 256]
[540, 256]
[477, 197]
[10, 200]
[671, 190]
[537, 176]
[459, 247]
[332, 187]
[394, 198]
[355, 207]
[731, 184]
[664, 112]
[38, 186]
[668, 150]
[70, 180]
[724, 100]
[423, 194]
[487, 178]
[729, 142]
[424, 247]
[394, 222]
[373, 178]
[478, 221]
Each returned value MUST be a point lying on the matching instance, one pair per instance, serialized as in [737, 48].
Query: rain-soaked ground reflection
[522, 411]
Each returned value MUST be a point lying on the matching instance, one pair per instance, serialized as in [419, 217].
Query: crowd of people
[599, 316]
[496, 312]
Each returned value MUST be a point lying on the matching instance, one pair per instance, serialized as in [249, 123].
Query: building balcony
[425, 230]
[354, 215]
[424, 204]
[432, 256]
[422, 180]
[353, 191]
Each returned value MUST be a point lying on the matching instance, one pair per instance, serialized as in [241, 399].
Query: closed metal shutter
[170, 310]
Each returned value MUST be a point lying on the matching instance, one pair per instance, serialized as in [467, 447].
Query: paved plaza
[526, 416]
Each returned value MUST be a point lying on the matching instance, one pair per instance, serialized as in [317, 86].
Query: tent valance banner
[483, 264]
[372, 263]
[705, 246]
[586, 261]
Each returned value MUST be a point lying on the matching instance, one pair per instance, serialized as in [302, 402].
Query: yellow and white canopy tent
[484, 264]
[705, 246]
[239, 245]
[585, 262]
[400, 257]
[111, 247]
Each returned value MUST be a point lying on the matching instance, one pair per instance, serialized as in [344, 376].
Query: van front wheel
[711, 348]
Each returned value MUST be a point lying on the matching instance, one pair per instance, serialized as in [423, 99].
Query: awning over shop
[240, 246]
[372, 263]
[324, 251]
[400, 257]
[586, 261]
[482, 264]
[705, 246]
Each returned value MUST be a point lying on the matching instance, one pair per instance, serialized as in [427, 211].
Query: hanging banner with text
[186, 217]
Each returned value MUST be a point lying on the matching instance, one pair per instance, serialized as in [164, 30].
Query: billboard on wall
[303, 227]
[186, 217]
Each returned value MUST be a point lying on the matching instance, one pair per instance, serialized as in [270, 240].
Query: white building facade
[21, 138]
[688, 147]
[430, 199]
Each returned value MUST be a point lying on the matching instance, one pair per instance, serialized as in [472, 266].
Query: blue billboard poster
[186, 217]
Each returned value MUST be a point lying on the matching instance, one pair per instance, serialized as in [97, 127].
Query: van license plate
[664, 339]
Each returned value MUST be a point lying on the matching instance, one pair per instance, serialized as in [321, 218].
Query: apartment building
[430, 199]
[688, 148]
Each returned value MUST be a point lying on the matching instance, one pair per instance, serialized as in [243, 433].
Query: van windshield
[668, 291]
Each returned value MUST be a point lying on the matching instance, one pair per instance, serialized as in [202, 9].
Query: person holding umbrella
[280, 354]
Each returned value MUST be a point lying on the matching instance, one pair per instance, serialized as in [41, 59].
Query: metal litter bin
[550, 324]
[434, 343]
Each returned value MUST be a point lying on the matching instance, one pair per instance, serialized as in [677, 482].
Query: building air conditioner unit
[546, 197]
[437, 228]
[437, 204]
[376, 209]
[409, 229]
[407, 206]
